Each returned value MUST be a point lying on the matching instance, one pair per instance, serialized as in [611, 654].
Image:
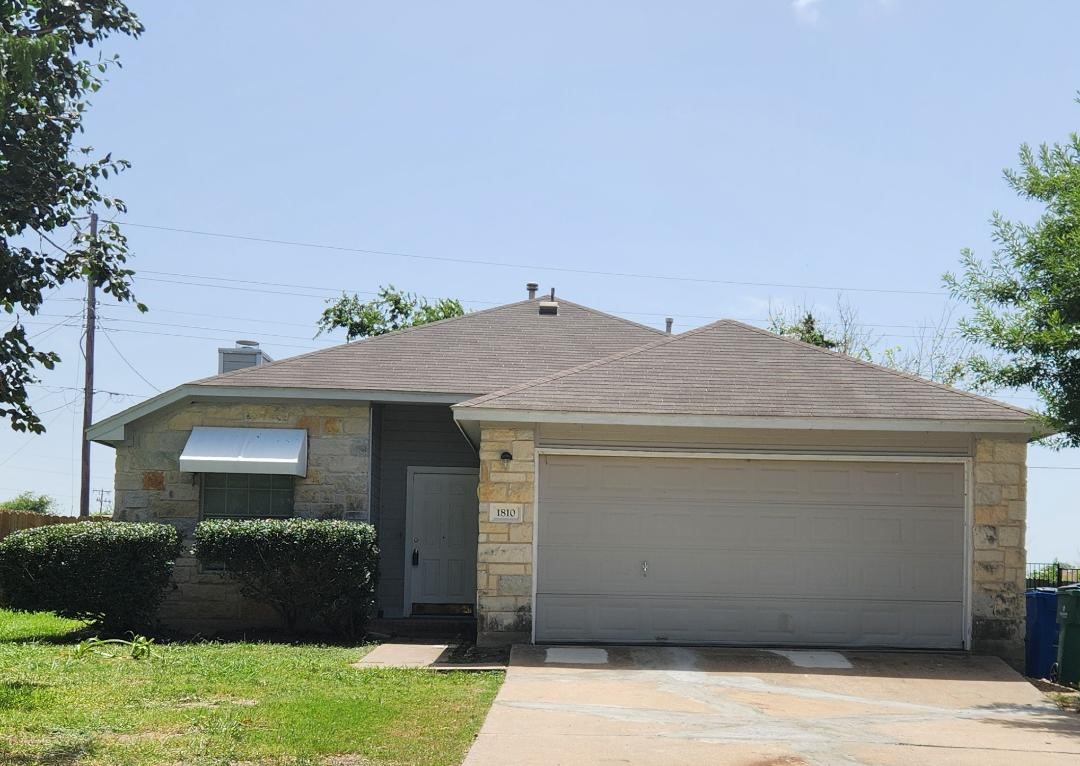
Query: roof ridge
[582, 367]
[883, 368]
[598, 312]
[369, 339]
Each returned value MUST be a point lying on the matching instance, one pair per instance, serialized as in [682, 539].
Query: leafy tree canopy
[805, 328]
[48, 185]
[390, 310]
[28, 501]
[1025, 301]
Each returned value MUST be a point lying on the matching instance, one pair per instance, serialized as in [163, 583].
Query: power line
[104, 331]
[62, 323]
[529, 267]
[336, 290]
[204, 337]
[478, 301]
[211, 329]
[50, 387]
[28, 442]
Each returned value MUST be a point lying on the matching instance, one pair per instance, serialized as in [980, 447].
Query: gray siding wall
[408, 435]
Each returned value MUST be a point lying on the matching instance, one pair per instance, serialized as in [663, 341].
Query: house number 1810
[505, 513]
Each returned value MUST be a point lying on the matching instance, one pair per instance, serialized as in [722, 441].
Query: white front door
[441, 533]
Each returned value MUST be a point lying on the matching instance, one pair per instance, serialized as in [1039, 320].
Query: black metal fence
[1052, 575]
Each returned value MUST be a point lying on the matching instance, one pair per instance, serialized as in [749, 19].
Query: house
[577, 477]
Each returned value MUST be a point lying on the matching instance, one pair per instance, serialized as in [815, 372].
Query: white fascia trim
[111, 429]
[480, 414]
[810, 457]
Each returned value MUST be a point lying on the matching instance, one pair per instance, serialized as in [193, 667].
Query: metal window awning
[246, 450]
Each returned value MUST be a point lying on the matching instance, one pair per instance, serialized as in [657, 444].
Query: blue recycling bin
[1040, 640]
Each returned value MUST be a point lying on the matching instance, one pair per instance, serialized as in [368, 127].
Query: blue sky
[839, 144]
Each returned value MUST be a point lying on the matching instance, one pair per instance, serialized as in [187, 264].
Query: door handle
[644, 568]
[416, 557]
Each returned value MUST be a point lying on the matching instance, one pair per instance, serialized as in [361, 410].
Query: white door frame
[411, 472]
[969, 497]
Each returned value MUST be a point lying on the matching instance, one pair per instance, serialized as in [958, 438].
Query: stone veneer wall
[504, 556]
[999, 556]
[151, 487]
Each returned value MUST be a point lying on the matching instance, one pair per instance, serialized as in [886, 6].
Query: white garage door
[691, 550]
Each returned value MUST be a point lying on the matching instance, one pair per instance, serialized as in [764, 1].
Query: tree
[844, 334]
[28, 501]
[935, 351]
[47, 184]
[390, 310]
[805, 329]
[1025, 302]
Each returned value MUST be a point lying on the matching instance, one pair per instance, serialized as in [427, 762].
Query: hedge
[112, 574]
[309, 571]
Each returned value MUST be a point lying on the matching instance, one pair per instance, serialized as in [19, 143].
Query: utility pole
[88, 379]
[101, 493]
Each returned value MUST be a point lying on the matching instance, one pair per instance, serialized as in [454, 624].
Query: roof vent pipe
[667, 325]
[532, 287]
[552, 294]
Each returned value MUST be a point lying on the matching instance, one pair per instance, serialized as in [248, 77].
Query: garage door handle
[644, 568]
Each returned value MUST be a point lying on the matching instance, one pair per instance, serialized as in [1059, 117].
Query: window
[246, 496]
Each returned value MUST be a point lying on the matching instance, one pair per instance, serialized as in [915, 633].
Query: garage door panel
[763, 525]
[764, 480]
[750, 551]
[728, 621]
[742, 573]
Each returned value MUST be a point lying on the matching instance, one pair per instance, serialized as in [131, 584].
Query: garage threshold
[715, 658]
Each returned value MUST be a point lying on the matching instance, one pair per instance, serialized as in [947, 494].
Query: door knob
[416, 557]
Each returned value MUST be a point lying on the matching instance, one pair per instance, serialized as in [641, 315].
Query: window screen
[246, 496]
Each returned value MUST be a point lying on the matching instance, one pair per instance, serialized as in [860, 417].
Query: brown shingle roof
[475, 354]
[732, 369]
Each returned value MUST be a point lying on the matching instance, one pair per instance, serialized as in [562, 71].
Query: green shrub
[306, 570]
[113, 574]
[28, 501]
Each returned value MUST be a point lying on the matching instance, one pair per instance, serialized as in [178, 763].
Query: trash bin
[1068, 618]
[1041, 636]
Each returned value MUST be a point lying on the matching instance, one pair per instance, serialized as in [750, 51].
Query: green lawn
[254, 704]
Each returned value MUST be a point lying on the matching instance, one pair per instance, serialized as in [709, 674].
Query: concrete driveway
[675, 706]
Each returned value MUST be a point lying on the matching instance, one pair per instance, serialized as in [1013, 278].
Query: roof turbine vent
[532, 287]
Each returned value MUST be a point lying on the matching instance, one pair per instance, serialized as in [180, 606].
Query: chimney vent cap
[532, 287]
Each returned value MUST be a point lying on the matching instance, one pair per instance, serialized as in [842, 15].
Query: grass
[211, 704]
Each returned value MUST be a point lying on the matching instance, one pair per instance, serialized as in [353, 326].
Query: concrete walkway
[583, 706]
[416, 655]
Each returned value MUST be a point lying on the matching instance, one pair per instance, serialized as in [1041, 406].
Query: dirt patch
[1067, 702]
[213, 702]
[142, 736]
[470, 654]
[342, 759]
[1065, 697]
